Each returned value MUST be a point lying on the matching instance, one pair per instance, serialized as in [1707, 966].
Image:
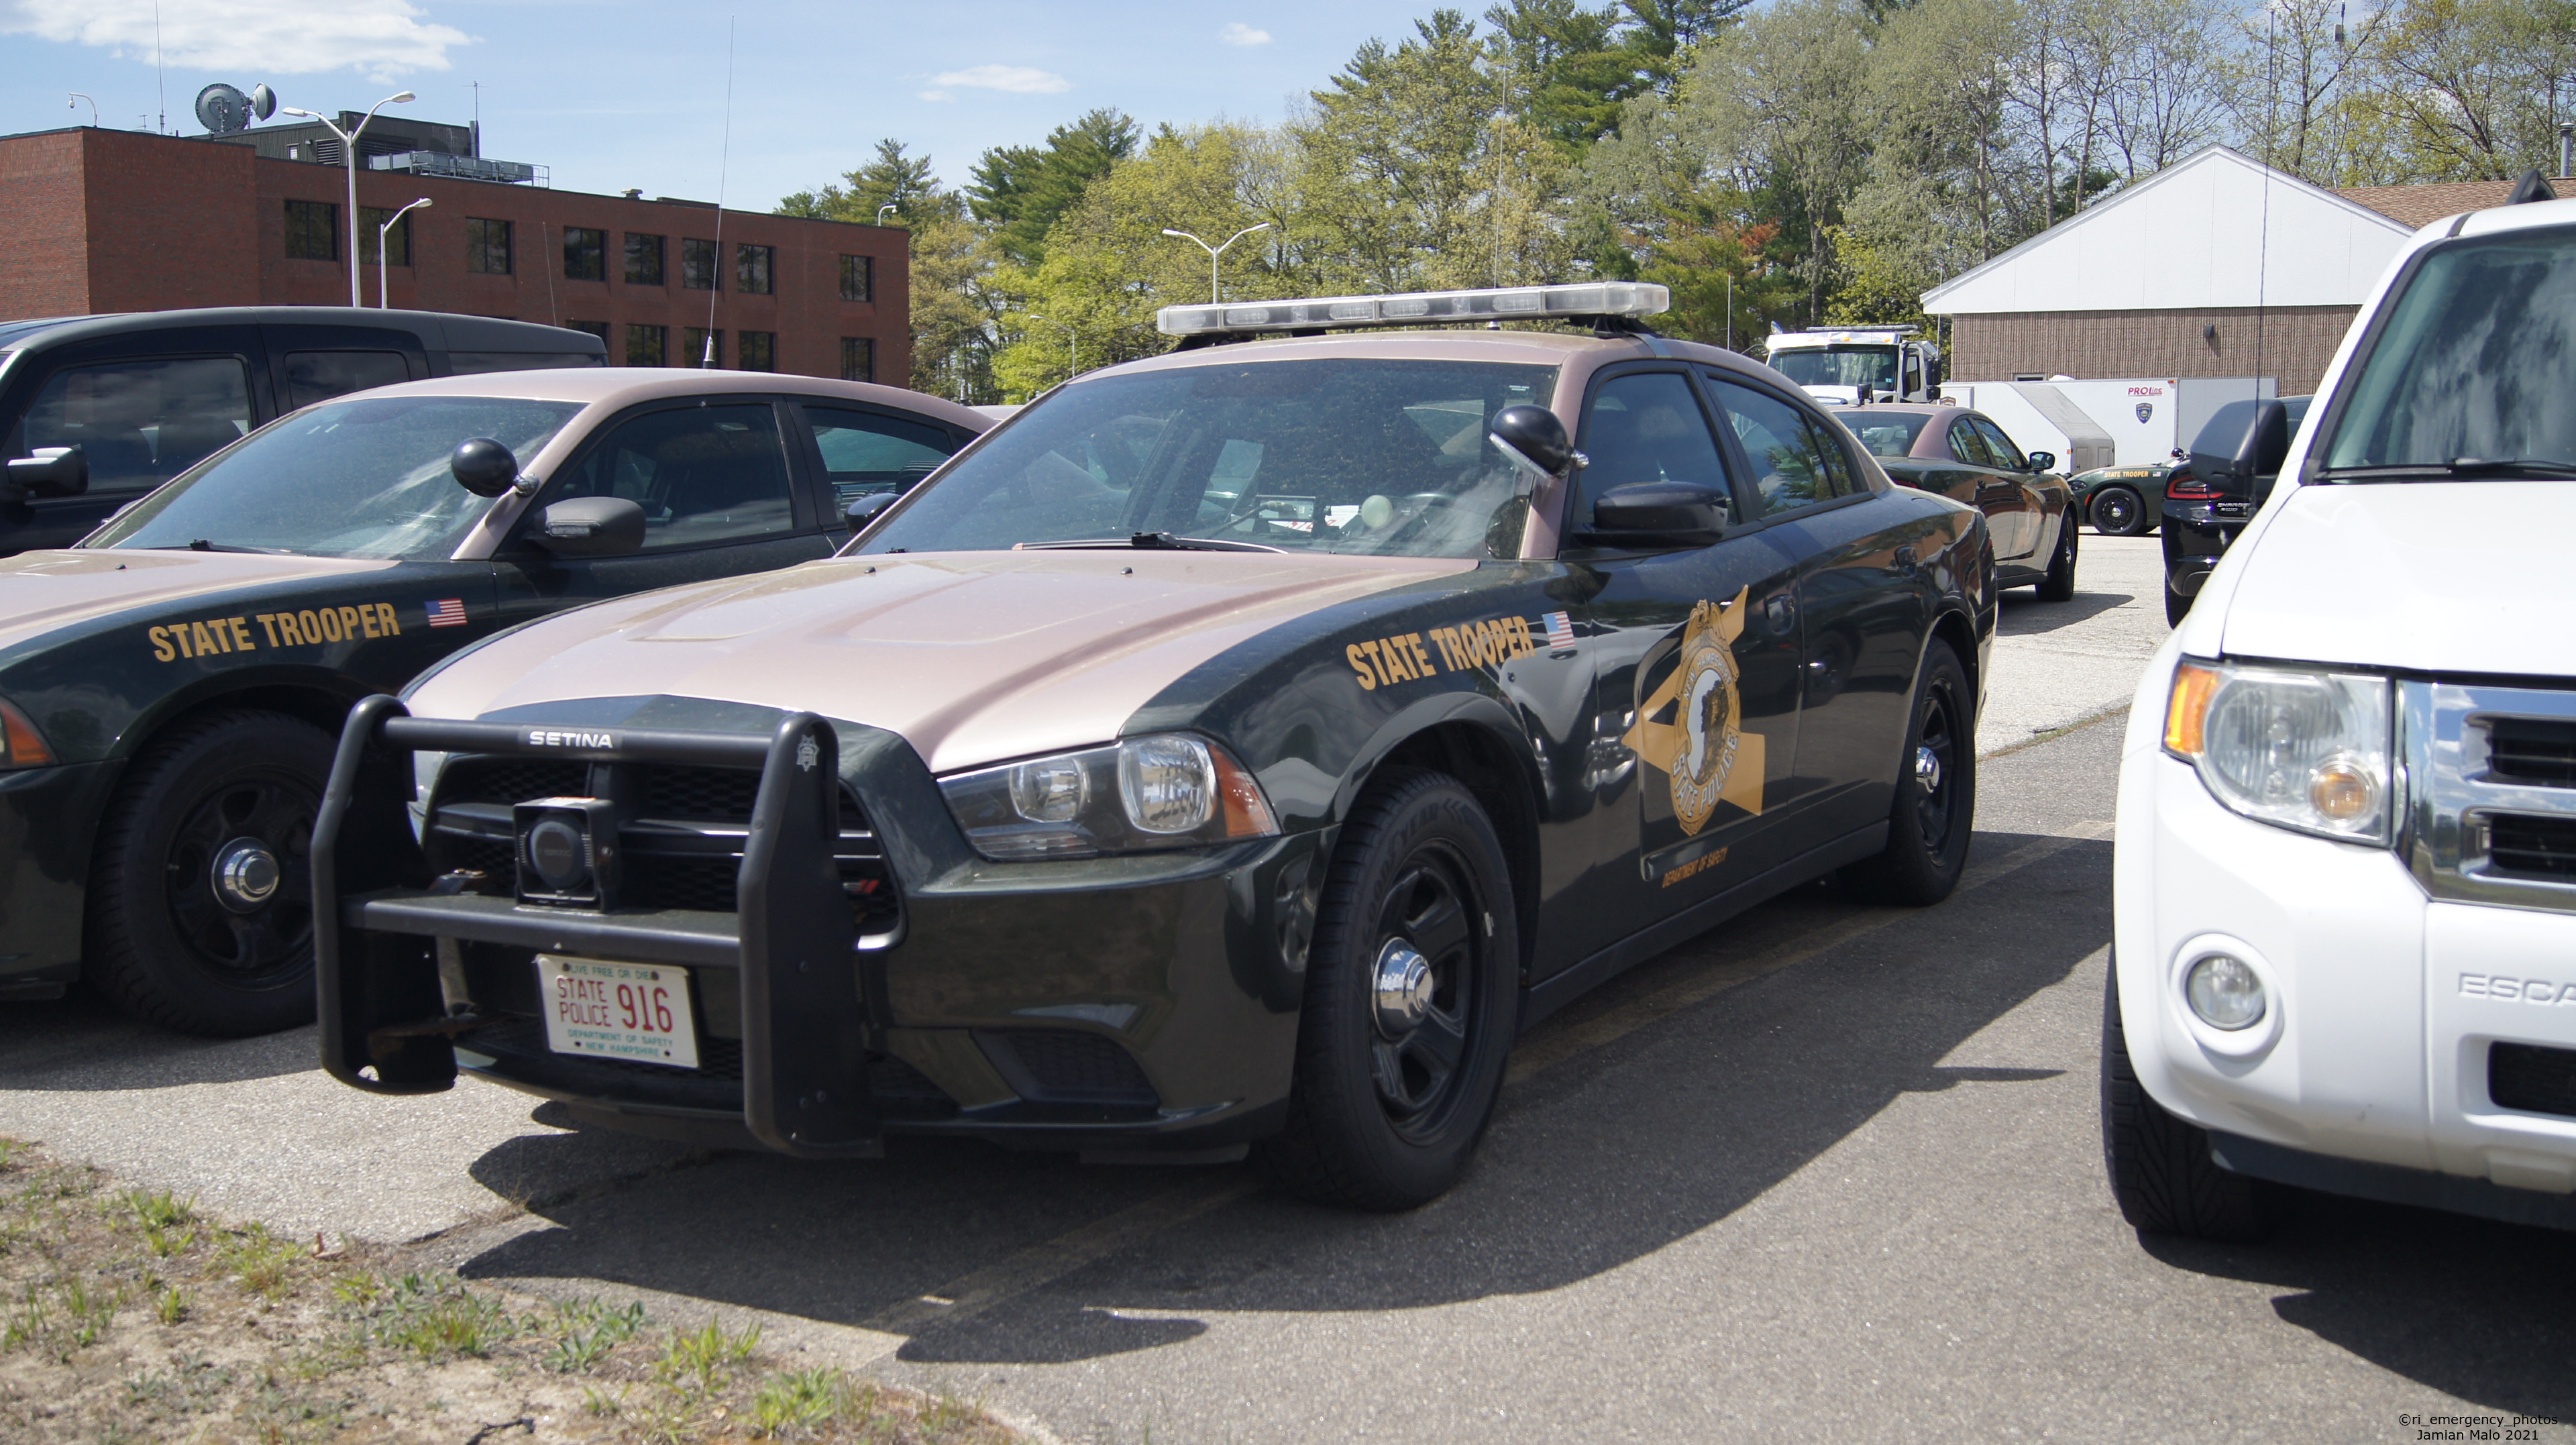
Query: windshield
[1343, 455]
[1885, 433]
[2477, 360]
[364, 478]
[1871, 366]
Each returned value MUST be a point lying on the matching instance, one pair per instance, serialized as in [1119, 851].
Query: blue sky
[618, 93]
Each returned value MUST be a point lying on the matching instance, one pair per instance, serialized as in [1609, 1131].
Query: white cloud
[934, 95]
[1238, 33]
[379, 39]
[1021, 79]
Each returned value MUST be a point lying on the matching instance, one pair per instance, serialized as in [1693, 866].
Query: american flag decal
[1560, 629]
[447, 612]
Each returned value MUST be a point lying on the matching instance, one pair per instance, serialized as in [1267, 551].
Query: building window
[643, 260]
[595, 328]
[697, 264]
[487, 246]
[751, 266]
[312, 231]
[858, 353]
[397, 242]
[858, 278]
[699, 355]
[755, 350]
[644, 344]
[585, 254]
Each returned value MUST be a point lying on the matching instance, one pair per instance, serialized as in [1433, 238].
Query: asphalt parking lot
[1826, 1172]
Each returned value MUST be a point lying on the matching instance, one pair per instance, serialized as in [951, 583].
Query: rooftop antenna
[724, 159]
[160, 79]
[2263, 232]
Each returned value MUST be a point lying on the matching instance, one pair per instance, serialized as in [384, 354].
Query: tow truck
[1857, 365]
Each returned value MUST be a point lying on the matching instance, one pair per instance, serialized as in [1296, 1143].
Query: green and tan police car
[1234, 749]
[169, 687]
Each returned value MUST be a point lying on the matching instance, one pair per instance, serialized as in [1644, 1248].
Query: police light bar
[1419, 308]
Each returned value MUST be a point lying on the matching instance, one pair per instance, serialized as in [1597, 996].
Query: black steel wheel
[201, 901]
[2162, 1175]
[2059, 584]
[1412, 985]
[2120, 512]
[1935, 806]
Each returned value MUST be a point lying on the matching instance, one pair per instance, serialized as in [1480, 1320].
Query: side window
[1967, 446]
[139, 423]
[313, 376]
[702, 475]
[1646, 427]
[2006, 455]
[1794, 465]
[864, 452]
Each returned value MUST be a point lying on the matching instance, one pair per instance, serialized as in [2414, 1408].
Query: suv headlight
[2297, 749]
[1169, 790]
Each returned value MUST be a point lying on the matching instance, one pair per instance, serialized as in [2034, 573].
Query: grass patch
[131, 1315]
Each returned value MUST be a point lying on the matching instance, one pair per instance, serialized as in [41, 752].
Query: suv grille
[2532, 847]
[1072, 1067]
[2531, 1078]
[2540, 752]
[511, 780]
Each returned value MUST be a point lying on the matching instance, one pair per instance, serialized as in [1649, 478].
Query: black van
[121, 404]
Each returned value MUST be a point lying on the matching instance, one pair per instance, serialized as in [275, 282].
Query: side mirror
[1533, 434]
[865, 509]
[1657, 514]
[2043, 461]
[2258, 453]
[591, 527]
[51, 472]
[483, 466]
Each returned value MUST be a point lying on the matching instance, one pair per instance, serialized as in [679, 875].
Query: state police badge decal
[1702, 746]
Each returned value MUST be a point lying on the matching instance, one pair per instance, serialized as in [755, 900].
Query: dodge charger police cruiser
[170, 687]
[2345, 891]
[1234, 749]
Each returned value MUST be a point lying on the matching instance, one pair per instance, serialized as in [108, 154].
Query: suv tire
[2161, 1172]
[176, 937]
[2120, 512]
[2059, 584]
[1386, 1112]
[1935, 808]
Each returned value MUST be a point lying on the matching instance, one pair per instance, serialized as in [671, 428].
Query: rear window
[1885, 433]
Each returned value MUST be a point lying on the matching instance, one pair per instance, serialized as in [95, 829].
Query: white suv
[2345, 900]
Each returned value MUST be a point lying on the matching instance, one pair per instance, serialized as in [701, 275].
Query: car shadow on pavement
[2479, 1310]
[2022, 615]
[80, 1043]
[1608, 1155]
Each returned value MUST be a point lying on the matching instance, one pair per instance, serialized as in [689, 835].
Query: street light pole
[74, 104]
[386, 230]
[1216, 293]
[1072, 343]
[349, 160]
[881, 210]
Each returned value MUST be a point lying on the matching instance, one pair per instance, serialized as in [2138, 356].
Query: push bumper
[1134, 1004]
[48, 823]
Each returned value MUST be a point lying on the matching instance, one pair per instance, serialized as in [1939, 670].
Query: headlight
[21, 746]
[2303, 750]
[1170, 790]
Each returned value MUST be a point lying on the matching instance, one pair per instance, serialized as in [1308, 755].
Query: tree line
[1810, 161]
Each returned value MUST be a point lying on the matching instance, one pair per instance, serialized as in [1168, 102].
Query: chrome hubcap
[245, 875]
[1403, 988]
[1927, 769]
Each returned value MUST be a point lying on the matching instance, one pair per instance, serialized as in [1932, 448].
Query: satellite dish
[222, 110]
[263, 101]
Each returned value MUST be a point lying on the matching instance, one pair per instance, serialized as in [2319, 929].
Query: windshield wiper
[1148, 542]
[202, 545]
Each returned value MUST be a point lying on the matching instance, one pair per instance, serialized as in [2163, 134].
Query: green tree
[1020, 191]
[1393, 157]
[1565, 71]
[891, 179]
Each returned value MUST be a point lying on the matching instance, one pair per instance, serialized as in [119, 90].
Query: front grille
[656, 881]
[2530, 846]
[1067, 1065]
[2538, 752]
[2531, 1078]
[703, 794]
[511, 780]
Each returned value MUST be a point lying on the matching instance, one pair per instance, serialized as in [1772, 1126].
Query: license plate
[633, 1011]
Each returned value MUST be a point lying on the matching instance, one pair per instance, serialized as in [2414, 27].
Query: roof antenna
[160, 77]
[724, 159]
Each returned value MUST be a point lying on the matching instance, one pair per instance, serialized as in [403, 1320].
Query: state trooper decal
[1692, 727]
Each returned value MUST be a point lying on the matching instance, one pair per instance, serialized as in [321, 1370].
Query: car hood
[2450, 577]
[972, 656]
[42, 592]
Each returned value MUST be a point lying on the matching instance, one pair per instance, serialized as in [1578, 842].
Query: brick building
[2216, 266]
[110, 220]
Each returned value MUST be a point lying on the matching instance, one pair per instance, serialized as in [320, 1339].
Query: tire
[2162, 1175]
[2177, 607]
[1928, 827]
[1384, 1116]
[2119, 512]
[167, 941]
[2059, 584]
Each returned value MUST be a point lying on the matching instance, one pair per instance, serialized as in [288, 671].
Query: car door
[1863, 599]
[2000, 491]
[142, 408]
[858, 450]
[723, 495]
[1697, 657]
[316, 363]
